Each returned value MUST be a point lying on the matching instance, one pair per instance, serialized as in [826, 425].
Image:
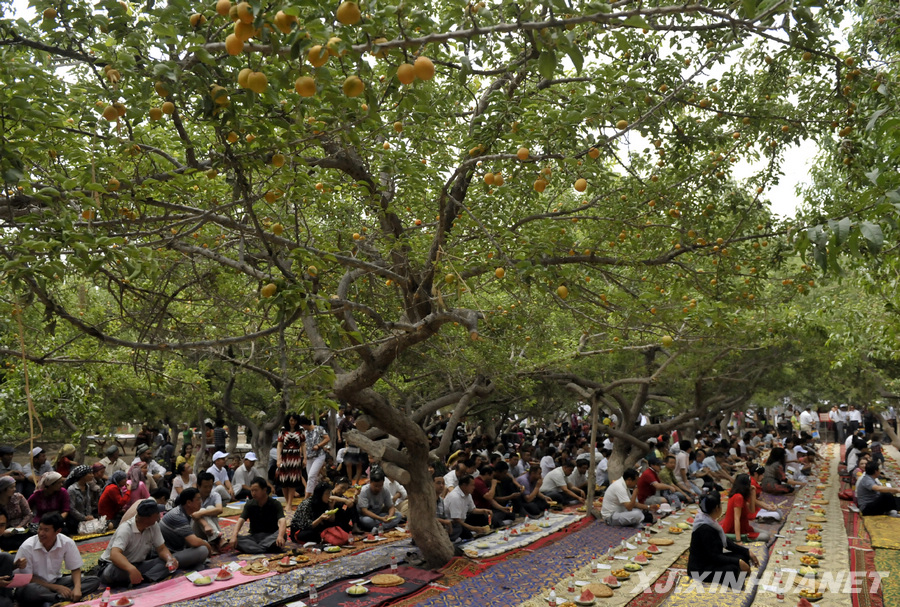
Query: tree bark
[431, 537]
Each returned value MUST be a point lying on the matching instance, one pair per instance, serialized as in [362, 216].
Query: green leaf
[547, 64]
[749, 9]
[873, 235]
[843, 230]
[577, 58]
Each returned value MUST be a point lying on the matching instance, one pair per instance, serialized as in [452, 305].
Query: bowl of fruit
[675, 530]
[809, 560]
[621, 574]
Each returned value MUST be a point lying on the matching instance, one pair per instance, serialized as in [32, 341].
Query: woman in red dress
[736, 523]
[289, 463]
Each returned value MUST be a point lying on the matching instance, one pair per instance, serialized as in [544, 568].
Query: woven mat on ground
[174, 590]
[494, 544]
[888, 561]
[686, 593]
[336, 595]
[278, 588]
[90, 536]
[513, 581]
[884, 531]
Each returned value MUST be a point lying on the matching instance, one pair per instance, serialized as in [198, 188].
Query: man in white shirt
[127, 560]
[155, 472]
[206, 520]
[547, 462]
[44, 556]
[854, 419]
[222, 485]
[837, 421]
[467, 520]
[620, 504]
[601, 473]
[398, 494]
[451, 479]
[807, 420]
[244, 475]
[556, 485]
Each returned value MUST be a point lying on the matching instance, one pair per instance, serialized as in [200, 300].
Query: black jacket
[708, 556]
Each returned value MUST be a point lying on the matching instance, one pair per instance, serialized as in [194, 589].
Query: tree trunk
[261, 443]
[201, 461]
[431, 537]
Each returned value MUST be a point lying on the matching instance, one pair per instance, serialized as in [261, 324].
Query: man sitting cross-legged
[44, 555]
[267, 522]
[130, 556]
[467, 519]
[556, 485]
[187, 548]
[206, 520]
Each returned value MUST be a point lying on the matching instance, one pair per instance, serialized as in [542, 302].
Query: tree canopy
[409, 206]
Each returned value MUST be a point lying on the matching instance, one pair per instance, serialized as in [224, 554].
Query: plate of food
[612, 581]
[357, 590]
[386, 580]
[807, 571]
[631, 567]
[642, 558]
[482, 545]
[529, 529]
[654, 549]
[369, 539]
[684, 526]
[621, 574]
[332, 549]
[122, 602]
[223, 575]
[811, 596]
[203, 581]
[813, 537]
[810, 561]
[675, 530]
[602, 591]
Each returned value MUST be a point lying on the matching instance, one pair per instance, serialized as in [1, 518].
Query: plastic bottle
[594, 568]
[394, 564]
[551, 600]
[313, 595]
[104, 600]
[571, 588]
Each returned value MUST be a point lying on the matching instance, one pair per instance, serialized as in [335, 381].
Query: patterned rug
[864, 560]
[686, 594]
[277, 589]
[888, 561]
[500, 542]
[335, 595]
[884, 531]
[514, 581]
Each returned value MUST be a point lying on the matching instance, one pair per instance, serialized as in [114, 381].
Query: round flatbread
[820, 502]
[256, 568]
[387, 579]
[601, 591]
[815, 518]
[660, 541]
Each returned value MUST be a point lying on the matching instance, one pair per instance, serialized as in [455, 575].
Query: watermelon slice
[286, 560]
[587, 596]
[654, 549]
[611, 579]
[641, 559]
[370, 537]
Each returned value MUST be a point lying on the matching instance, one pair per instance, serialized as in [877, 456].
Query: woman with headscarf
[65, 459]
[137, 480]
[18, 514]
[115, 498]
[49, 496]
[83, 498]
[713, 557]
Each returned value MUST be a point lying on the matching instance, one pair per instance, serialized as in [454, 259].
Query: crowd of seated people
[166, 514]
